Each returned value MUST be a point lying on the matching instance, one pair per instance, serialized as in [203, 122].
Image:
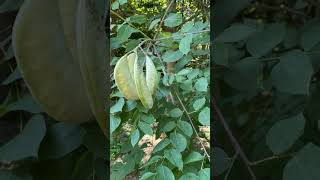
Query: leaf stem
[183, 34]
[130, 24]
[269, 159]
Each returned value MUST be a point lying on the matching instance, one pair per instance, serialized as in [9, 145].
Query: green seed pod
[143, 90]
[124, 79]
[131, 81]
[131, 59]
[151, 75]
[92, 52]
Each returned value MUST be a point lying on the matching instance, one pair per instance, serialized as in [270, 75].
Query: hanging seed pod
[131, 81]
[151, 75]
[92, 53]
[44, 44]
[143, 90]
[131, 59]
[123, 76]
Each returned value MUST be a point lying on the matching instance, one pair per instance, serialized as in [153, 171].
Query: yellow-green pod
[131, 58]
[124, 79]
[143, 91]
[151, 75]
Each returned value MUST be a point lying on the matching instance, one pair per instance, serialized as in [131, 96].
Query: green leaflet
[43, 44]
[92, 53]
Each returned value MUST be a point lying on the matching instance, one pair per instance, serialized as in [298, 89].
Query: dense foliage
[171, 140]
[266, 56]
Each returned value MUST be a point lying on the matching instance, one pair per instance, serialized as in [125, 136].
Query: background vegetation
[266, 82]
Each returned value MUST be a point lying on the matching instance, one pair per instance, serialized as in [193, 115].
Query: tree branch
[234, 141]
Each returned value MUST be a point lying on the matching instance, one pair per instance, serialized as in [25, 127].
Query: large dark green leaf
[304, 165]
[262, 42]
[61, 139]
[236, 32]
[310, 36]
[221, 161]
[293, 73]
[289, 130]
[244, 74]
[225, 11]
[26, 144]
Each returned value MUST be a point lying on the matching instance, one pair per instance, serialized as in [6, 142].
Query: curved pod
[92, 53]
[143, 91]
[124, 78]
[43, 47]
[151, 75]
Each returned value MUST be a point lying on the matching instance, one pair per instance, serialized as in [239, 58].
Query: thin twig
[183, 34]
[231, 165]
[190, 120]
[234, 141]
[158, 28]
[162, 19]
[269, 159]
[130, 24]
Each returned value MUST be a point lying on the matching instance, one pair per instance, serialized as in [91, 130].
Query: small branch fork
[238, 149]
[234, 141]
